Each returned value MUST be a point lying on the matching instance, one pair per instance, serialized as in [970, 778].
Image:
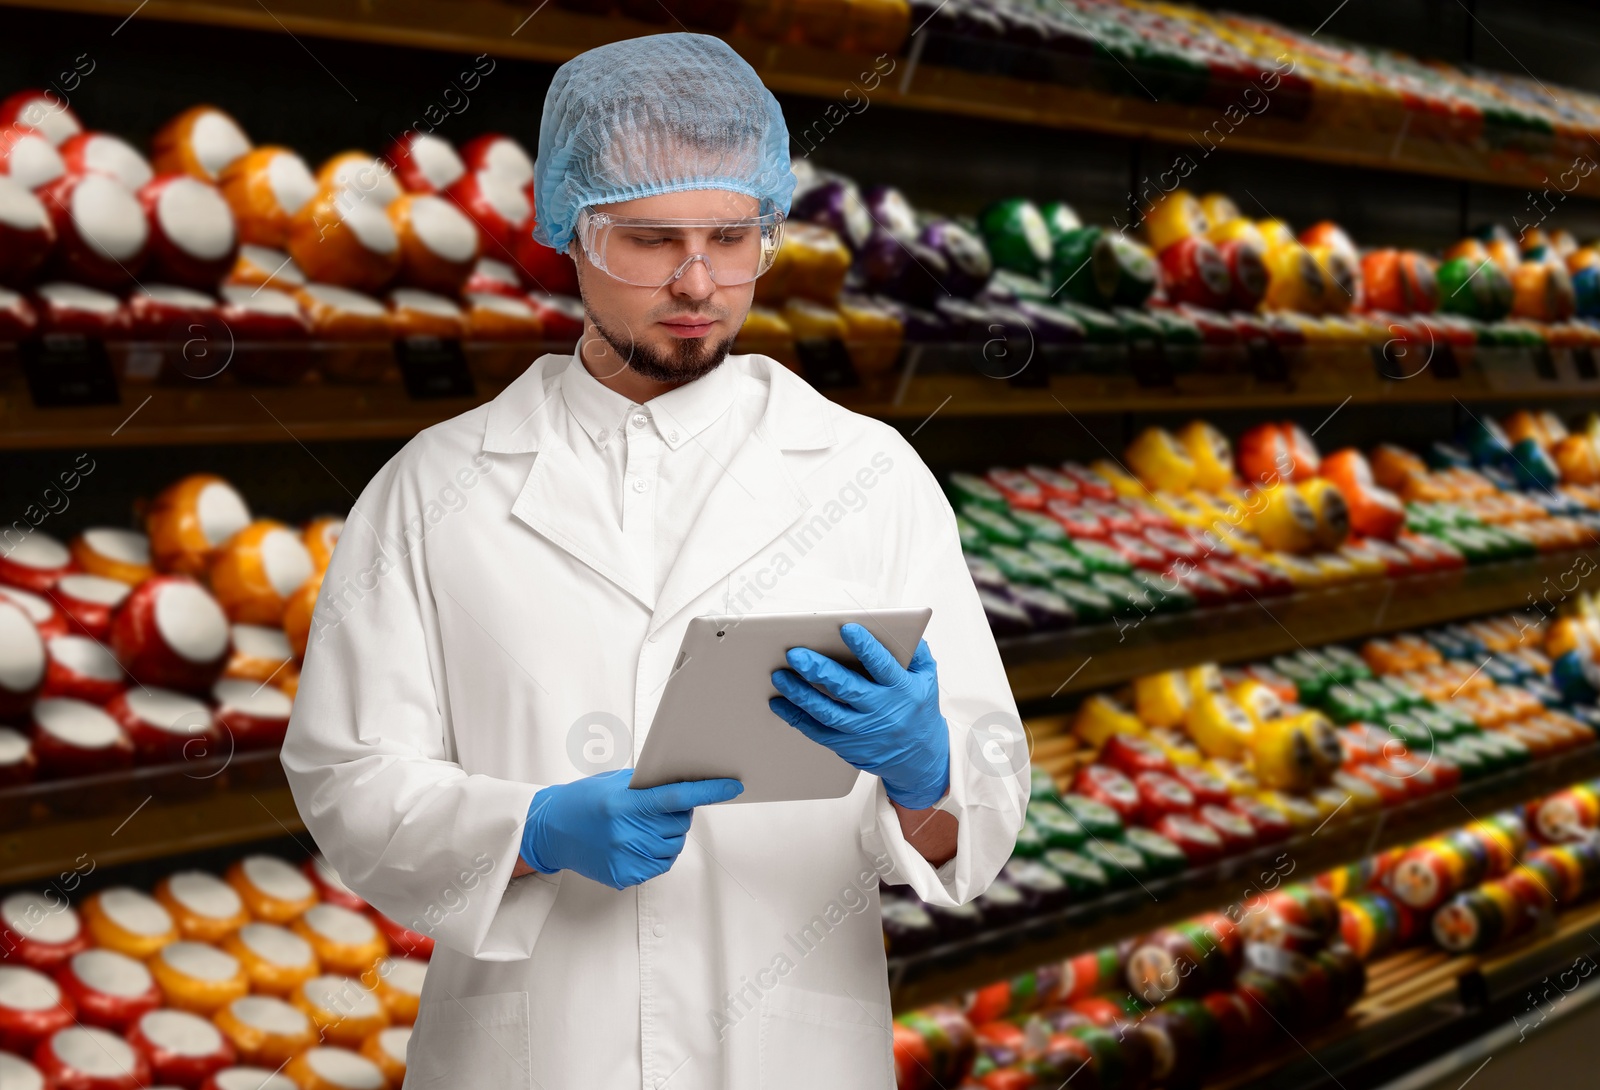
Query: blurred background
[1255, 345]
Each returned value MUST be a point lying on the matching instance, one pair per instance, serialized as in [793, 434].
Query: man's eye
[731, 240]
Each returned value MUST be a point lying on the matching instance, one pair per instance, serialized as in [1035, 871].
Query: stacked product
[1184, 520]
[246, 244]
[181, 642]
[272, 976]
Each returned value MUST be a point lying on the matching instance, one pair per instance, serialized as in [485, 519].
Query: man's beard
[689, 359]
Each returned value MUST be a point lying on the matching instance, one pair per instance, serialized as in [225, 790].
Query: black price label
[1149, 364]
[433, 367]
[1444, 362]
[826, 362]
[1265, 357]
[1544, 364]
[1583, 364]
[68, 369]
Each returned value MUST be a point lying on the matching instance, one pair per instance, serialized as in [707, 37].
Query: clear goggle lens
[652, 253]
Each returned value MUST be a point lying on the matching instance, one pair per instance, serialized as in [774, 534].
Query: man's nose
[694, 281]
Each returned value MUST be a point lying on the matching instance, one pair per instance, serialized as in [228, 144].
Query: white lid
[19, 208]
[274, 263]
[270, 1015]
[507, 198]
[371, 227]
[96, 589]
[108, 217]
[39, 610]
[271, 301]
[508, 305]
[94, 1052]
[39, 551]
[403, 974]
[275, 944]
[107, 154]
[274, 877]
[393, 1041]
[339, 924]
[364, 178]
[331, 528]
[331, 295]
[191, 622]
[197, 218]
[112, 973]
[200, 961]
[78, 297]
[286, 560]
[345, 1069]
[22, 656]
[260, 642]
[251, 1078]
[52, 116]
[163, 709]
[436, 159]
[252, 698]
[29, 914]
[291, 182]
[173, 296]
[222, 512]
[85, 657]
[216, 140]
[343, 995]
[76, 722]
[205, 894]
[424, 302]
[34, 161]
[490, 269]
[14, 747]
[136, 911]
[444, 229]
[330, 877]
[181, 1032]
[26, 990]
[508, 159]
[128, 546]
[18, 1074]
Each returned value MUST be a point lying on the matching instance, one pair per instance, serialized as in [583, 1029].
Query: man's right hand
[603, 829]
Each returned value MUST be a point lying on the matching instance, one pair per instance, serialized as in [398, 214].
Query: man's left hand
[889, 724]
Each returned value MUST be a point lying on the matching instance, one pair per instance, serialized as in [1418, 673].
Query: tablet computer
[713, 719]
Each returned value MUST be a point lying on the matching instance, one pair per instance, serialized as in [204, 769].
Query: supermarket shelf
[947, 971]
[945, 379]
[1054, 664]
[555, 35]
[54, 829]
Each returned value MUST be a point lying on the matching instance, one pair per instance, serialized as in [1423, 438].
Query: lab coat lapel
[559, 500]
[754, 500]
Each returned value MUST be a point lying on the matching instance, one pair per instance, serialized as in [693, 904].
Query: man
[501, 614]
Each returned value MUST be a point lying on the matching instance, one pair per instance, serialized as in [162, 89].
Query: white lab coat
[476, 639]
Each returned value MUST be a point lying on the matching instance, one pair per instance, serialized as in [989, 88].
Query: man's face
[683, 330]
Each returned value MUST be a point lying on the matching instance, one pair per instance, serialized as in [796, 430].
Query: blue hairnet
[659, 114]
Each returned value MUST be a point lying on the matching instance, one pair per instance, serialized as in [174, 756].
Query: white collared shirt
[658, 460]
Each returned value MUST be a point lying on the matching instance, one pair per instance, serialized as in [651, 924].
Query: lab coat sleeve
[369, 753]
[989, 775]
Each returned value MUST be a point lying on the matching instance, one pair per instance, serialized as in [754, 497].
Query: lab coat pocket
[811, 1039]
[471, 1041]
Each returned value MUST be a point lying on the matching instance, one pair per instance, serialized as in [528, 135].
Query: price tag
[68, 369]
[1149, 364]
[826, 362]
[1444, 362]
[1266, 361]
[433, 367]
[1583, 363]
[1544, 365]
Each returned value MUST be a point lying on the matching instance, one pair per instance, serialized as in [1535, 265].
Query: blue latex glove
[889, 725]
[603, 829]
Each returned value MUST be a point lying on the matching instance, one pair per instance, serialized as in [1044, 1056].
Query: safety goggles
[651, 253]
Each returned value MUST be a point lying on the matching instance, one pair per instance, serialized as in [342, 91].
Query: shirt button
[672, 437]
[600, 435]
[659, 931]
[640, 484]
[640, 420]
